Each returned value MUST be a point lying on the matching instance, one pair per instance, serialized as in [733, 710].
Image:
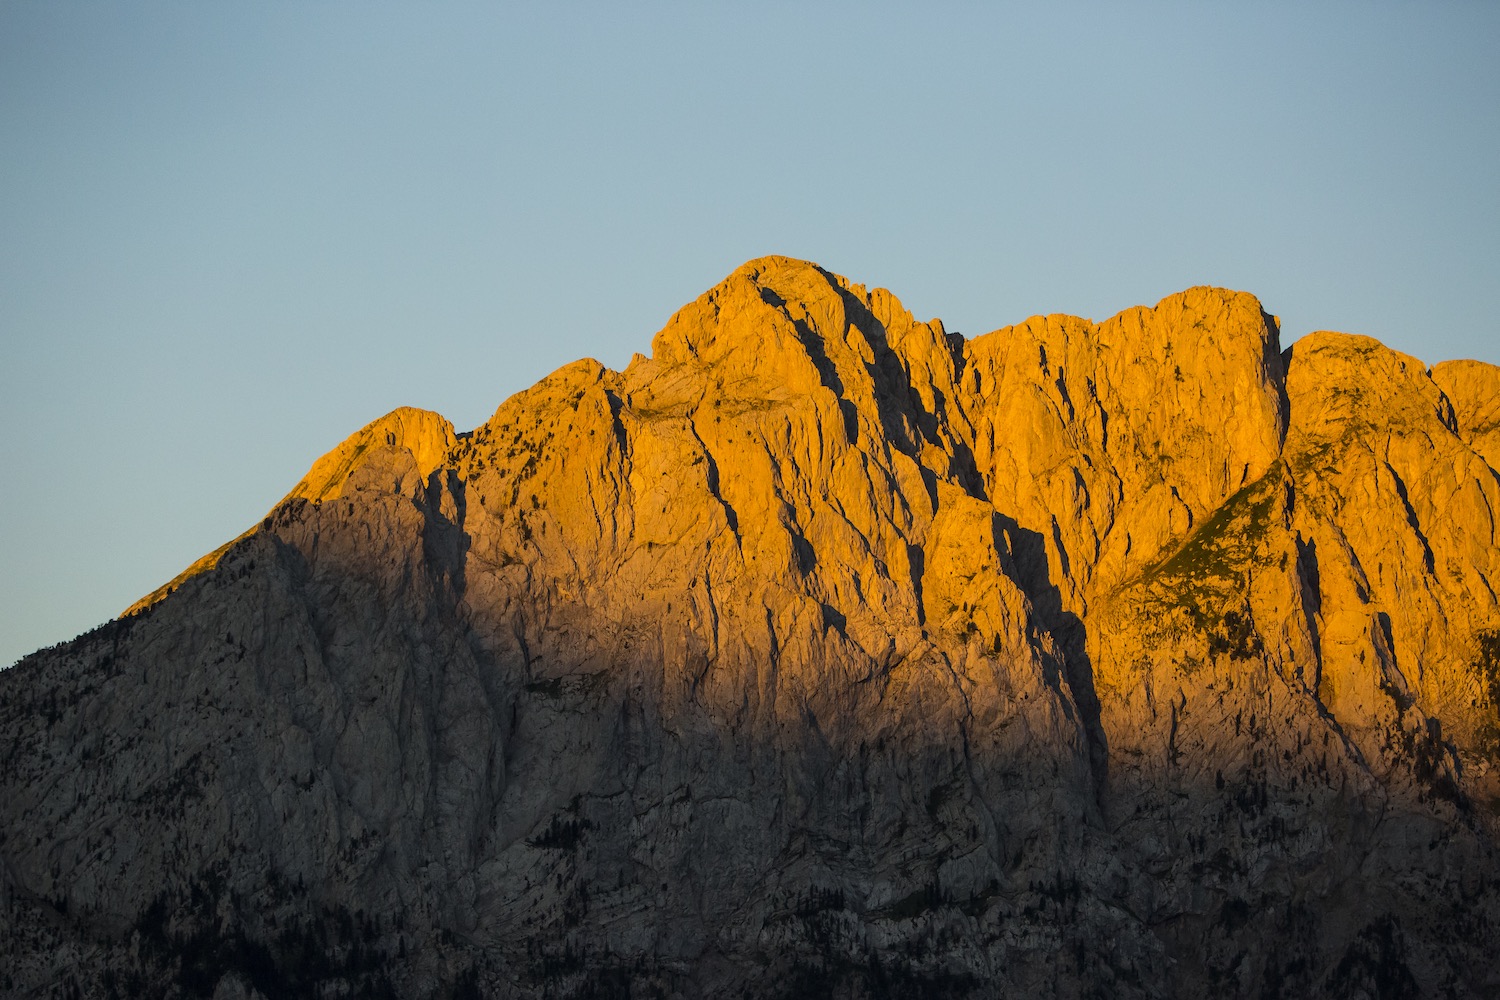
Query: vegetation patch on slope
[1198, 588]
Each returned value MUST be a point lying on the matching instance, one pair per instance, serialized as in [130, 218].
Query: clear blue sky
[231, 234]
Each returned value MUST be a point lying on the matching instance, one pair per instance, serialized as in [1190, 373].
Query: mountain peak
[821, 653]
[425, 437]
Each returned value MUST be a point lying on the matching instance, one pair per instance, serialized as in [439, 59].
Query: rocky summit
[823, 652]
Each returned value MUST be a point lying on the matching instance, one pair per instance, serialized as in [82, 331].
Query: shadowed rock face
[823, 652]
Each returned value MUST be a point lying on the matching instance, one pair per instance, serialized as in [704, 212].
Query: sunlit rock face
[823, 652]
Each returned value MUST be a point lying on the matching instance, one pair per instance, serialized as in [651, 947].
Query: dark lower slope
[344, 793]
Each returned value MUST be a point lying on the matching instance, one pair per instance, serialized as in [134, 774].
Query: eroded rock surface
[823, 652]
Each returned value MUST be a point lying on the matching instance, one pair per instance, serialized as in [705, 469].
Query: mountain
[824, 652]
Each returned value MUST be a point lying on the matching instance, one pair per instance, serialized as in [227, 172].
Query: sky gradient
[231, 234]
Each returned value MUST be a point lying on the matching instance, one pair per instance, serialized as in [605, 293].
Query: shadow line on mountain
[1029, 570]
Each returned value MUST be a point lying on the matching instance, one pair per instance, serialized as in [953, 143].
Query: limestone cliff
[823, 652]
